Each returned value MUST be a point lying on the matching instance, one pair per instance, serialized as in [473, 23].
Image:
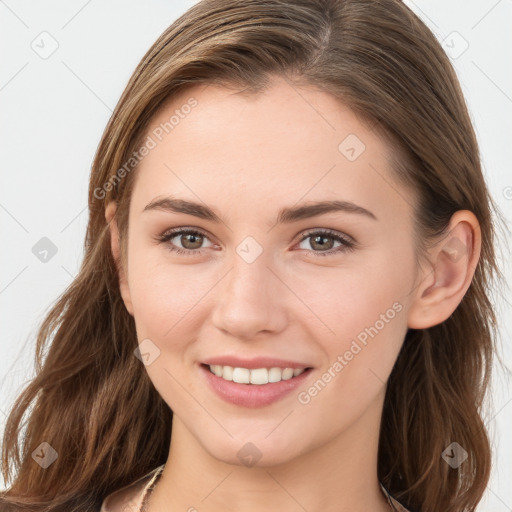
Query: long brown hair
[92, 400]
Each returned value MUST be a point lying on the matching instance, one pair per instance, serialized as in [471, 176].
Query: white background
[54, 111]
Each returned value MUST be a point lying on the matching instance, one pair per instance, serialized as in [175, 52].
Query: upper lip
[256, 362]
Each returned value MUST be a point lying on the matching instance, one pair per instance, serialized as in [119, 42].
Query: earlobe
[445, 283]
[110, 212]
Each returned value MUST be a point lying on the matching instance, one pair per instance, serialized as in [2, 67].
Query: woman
[288, 263]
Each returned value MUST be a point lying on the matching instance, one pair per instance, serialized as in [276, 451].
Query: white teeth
[227, 373]
[241, 375]
[257, 376]
[287, 373]
[274, 374]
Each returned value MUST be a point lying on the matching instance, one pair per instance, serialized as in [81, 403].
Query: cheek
[346, 301]
[361, 315]
[165, 295]
[368, 319]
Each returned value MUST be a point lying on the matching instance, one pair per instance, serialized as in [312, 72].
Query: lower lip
[252, 395]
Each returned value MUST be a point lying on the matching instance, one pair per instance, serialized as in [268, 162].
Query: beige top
[133, 496]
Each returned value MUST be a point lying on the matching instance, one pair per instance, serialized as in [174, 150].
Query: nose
[251, 299]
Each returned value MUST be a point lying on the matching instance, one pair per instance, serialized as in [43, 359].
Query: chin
[254, 452]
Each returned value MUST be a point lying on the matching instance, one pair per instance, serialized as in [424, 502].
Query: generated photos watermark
[342, 360]
[151, 142]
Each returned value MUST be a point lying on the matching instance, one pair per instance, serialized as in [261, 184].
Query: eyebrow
[286, 215]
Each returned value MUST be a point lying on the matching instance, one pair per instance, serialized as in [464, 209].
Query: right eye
[189, 237]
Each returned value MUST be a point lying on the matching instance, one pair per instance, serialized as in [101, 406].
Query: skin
[247, 157]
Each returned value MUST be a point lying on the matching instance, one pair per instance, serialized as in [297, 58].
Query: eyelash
[347, 244]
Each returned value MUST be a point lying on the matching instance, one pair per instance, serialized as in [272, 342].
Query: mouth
[253, 387]
[255, 376]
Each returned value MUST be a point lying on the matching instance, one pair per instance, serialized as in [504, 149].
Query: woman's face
[249, 284]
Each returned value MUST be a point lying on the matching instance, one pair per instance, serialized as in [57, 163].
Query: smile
[253, 387]
[257, 376]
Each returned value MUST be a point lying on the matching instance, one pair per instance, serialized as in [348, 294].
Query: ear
[445, 283]
[110, 211]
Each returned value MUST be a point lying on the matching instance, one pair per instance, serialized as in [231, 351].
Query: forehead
[286, 143]
[299, 116]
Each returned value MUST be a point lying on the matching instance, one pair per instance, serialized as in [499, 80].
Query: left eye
[318, 239]
[191, 241]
